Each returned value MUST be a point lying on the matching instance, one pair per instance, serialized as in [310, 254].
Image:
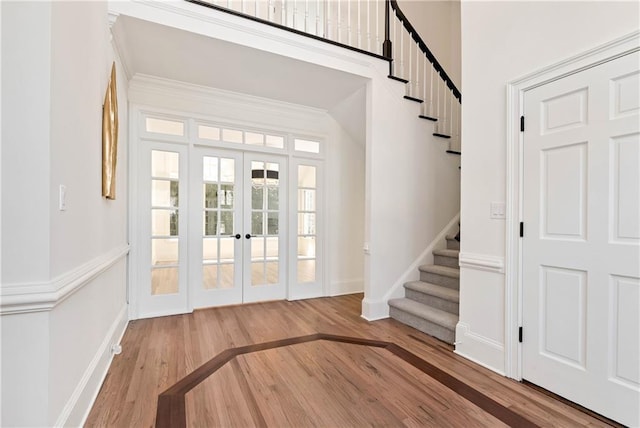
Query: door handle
[238, 236]
[248, 236]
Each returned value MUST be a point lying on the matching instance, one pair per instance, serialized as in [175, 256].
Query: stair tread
[445, 252]
[441, 270]
[451, 238]
[420, 310]
[434, 290]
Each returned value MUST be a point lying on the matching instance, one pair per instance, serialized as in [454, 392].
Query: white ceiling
[170, 53]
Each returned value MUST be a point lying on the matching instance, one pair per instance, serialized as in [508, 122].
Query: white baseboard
[379, 309]
[479, 349]
[77, 409]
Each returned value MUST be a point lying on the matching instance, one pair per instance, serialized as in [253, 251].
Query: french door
[237, 218]
[213, 228]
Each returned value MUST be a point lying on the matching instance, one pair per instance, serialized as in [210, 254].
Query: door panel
[265, 223]
[163, 249]
[581, 293]
[216, 219]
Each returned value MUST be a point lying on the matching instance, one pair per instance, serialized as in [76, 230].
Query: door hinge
[520, 334]
[521, 123]
[521, 229]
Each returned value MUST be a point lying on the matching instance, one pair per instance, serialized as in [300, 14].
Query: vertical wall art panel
[110, 137]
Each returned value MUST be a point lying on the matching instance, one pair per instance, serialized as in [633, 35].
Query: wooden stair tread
[434, 290]
[436, 316]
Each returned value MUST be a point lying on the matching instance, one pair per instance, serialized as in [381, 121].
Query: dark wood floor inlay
[171, 410]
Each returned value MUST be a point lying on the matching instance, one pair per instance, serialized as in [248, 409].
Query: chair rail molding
[44, 296]
[483, 262]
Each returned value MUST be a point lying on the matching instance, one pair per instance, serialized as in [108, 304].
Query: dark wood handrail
[423, 47]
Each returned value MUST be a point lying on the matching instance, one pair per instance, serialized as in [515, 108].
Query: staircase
[431, 304]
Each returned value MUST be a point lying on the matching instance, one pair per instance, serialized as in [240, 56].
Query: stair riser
[433, 301]
[423, 325]
[452, 244]
[442, 280]
[445, 261]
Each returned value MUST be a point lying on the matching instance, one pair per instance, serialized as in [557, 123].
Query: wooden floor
[319, 383]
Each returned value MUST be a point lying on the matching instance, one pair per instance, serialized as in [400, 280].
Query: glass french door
[237, 245]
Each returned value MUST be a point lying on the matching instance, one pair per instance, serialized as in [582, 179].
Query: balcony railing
[373, 27]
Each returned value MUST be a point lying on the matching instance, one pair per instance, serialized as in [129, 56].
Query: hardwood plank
[293, 384]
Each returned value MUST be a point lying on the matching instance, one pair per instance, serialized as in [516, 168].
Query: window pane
[257, 274]
[226, 196]
[208, 133]
[232, 136]
[209, 276]
[272, 247]
[164, 281]
[164, 251]
[256, 224]
[306, 176]
[227, 170]
[306, 200]
[164, 222]
[257, 197]
[307, 146]
[165, 164]
[210, 195]
[306, 224]
[210, 223]
[272, 224]
[226, 223]
[254, 139]
[209, 169]
[227, 248]
[273, 194]
[306, 246]
[257, 249]
[164, 193]
[210, 250]
[225, 271]
[275, 141]
[272, 272]
[306, 271]
[257, 173]
[162, 126]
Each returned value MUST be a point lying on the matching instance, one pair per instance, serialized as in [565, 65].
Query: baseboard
[341, 288]
[77, 409]
[479, 349]
[374, 310]
[379, 309]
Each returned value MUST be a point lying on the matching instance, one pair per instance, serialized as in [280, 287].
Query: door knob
[238, 236]
[248, 236]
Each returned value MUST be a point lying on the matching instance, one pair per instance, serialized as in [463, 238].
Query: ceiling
[158, 50]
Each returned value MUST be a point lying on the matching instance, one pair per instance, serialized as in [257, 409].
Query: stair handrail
[388, 49]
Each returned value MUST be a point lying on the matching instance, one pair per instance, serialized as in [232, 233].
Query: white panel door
[265, 224]
[216, 229]
[162, 242]
[581, 212]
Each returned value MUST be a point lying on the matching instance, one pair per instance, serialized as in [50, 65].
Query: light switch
[497, 210]
[62, 200]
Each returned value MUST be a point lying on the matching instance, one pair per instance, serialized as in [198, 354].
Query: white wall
[502, 41]
[64, 277]
[438, 24]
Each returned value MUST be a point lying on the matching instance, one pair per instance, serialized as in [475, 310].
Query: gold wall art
[110, 137]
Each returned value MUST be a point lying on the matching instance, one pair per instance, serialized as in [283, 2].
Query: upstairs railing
[373, 27]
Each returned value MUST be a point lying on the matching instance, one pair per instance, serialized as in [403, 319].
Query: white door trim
[515, 109]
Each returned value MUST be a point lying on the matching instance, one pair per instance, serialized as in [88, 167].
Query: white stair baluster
[378, 45]
[349, 22]
[339, 21]
[424, 86]
[416, 91]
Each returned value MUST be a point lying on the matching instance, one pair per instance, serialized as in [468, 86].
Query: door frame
[516, 90]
